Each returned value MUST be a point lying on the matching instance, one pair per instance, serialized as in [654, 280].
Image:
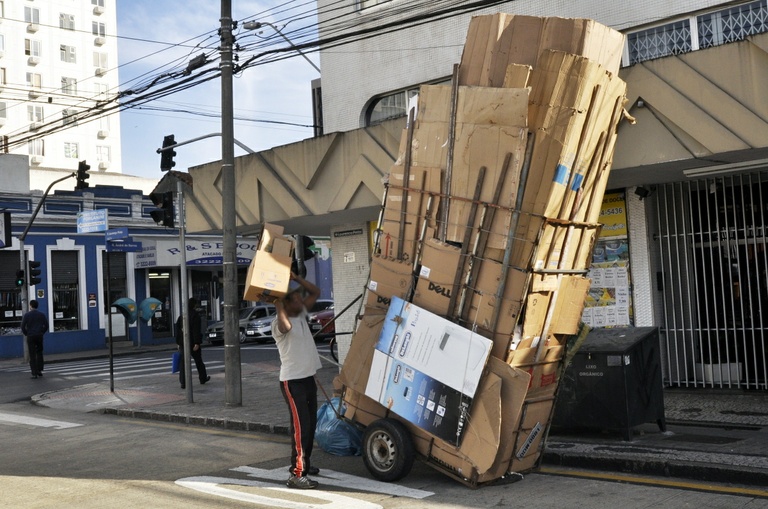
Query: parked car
[319, 316]
[260, 329]
[215, 331]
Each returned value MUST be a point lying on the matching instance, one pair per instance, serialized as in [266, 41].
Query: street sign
[116, 234]
[90, 221]
[123, 247]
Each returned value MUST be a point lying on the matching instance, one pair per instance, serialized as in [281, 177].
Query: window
[98, 3]
[69, 117]
[99, 29]
[36, 147]
[32, 48]
[2, 109]
[10, 304]
[100, 60]
[661, 41]
[67, 21]
[34, 113]
[103, 123]
[734, 24]
[69, 86]
[364, 4]
[101, 91]
[2, 42]
[102, 153]
[71, 150]
[64, 289]
[34, 80]
[2, 75]
[393, 105]
[31, 15]
[68, 54]
[2, 9]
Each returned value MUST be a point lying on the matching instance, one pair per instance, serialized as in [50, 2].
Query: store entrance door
[160, 288]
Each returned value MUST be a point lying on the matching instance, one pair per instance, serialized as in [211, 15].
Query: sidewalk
[718, 436]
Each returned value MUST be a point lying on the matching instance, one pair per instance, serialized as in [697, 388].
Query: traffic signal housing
[164, 214]
[19, 278]
[167, 154]
[82, 176]
[33, 271]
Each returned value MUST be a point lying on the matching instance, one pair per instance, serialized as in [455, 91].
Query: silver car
[215, 332]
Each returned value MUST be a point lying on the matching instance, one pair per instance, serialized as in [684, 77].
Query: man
[196, 340]
[34, 325]
[299, 361]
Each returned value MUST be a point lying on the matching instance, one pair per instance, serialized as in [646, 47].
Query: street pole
[233, 391]
[187, 336]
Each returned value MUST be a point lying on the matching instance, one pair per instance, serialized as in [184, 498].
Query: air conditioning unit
[34, 126]
[33, 27]
[98, 10]
[36, 160]
[104, 165]
[2, 121]
[100, 41]
[100, 71]
[34, 93]
[2, 53]
[33, 60]
[103, 133]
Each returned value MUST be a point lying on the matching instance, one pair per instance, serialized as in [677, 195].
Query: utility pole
[233, 390]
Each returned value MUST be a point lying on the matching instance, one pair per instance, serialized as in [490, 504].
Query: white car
[215, 332]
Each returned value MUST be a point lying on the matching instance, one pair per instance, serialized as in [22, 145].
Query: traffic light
[308, 243]
[33, 270]
[82, 176]
[167, 154]
[164, 214]
[19, 278]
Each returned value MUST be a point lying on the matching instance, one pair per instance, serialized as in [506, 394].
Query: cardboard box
[268, 277]
[495, 41]
[269, 233]
[435, 285]
[389, 277]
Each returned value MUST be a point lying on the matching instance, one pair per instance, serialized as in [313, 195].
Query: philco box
[434, 287]
[270, 270]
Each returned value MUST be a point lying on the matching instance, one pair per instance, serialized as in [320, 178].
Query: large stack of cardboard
[489, 220]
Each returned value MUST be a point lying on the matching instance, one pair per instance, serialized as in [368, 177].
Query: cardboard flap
[483, 433]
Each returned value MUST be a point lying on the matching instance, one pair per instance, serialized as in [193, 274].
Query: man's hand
[196, 348]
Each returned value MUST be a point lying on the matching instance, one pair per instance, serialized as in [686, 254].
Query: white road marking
[35, 421]
[332, 478]
[213, 486]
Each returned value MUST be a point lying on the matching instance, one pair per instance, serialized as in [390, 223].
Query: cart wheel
[388, 450]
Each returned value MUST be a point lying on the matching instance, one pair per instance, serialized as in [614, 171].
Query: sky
[153, 34]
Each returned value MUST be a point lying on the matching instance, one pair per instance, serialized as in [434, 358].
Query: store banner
[167, 253]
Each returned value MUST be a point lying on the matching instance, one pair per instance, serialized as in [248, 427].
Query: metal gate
[711, 260]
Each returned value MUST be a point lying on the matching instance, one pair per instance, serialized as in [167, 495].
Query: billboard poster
[427, 369]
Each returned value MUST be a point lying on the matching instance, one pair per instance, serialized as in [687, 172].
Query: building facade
[58, 65]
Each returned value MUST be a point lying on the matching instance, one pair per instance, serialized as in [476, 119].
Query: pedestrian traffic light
[164, 214]
[33, 270]
[19, 278]
[167, 154]
[82, 176]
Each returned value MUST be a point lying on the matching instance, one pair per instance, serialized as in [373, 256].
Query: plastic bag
[175, 361]
[334, 435]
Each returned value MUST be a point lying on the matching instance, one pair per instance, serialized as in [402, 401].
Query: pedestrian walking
[299, 361]
[34, 325]
[196, 340]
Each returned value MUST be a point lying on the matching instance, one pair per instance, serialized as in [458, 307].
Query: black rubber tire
[388, 451]
[242, 337]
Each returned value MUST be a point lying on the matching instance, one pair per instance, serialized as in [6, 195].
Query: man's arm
[313, 292]
[283, 324]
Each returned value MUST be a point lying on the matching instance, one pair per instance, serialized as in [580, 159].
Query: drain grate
[703, 439]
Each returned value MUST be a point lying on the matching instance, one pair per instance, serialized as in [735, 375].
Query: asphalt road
[58, 458]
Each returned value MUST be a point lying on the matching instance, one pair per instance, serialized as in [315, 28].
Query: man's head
[192, 303]
[33, 304]
[294, 300]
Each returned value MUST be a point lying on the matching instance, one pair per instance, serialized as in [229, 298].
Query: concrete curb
[693, 471]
